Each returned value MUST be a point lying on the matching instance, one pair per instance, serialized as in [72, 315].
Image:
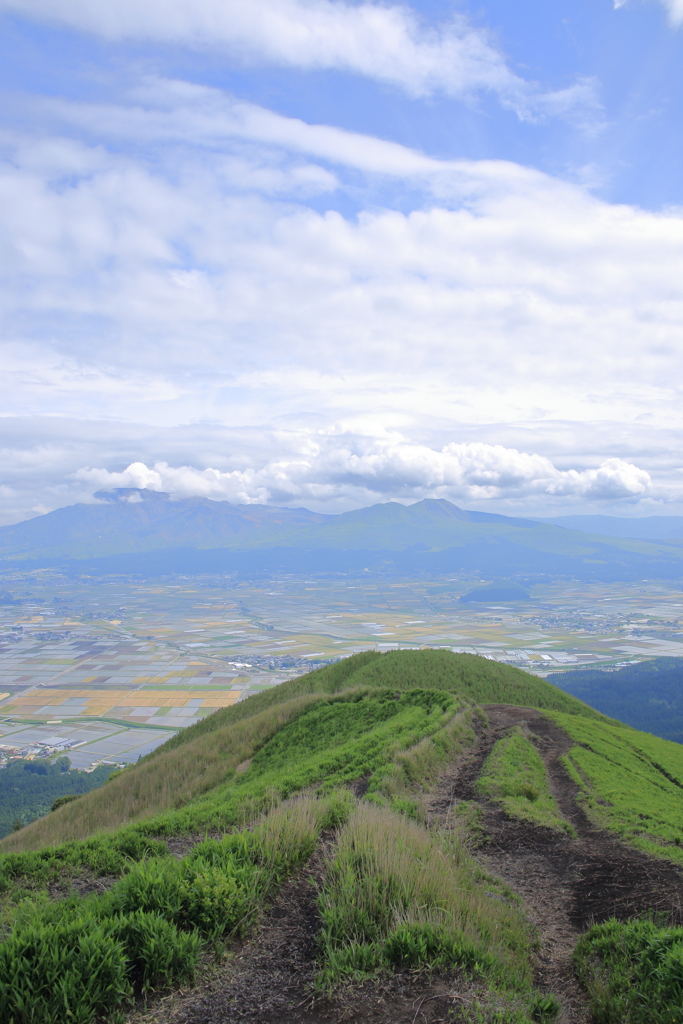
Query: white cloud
[673, 7]
[500, 273]
[380, 41]
[169, 267]
[385, 467]
[675, 10]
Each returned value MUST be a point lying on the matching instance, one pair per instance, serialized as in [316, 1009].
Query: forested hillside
[29, 788]
[648, 696]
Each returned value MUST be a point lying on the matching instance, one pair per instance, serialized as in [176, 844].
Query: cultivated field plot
[140, 653]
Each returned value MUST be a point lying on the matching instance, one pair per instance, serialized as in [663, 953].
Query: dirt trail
[270, 978]
[566, 883]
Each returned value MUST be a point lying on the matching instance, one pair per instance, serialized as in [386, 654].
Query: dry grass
[168, 781]
[390, 872]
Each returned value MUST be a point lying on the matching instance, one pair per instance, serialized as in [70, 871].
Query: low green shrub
[102, 854]
[218, 888]
[157, 953]
[78, 959]
[61, 800]
[633, 972]
[73, 972]
[419, 945]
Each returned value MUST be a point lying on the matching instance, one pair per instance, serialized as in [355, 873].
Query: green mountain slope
[349, 756]
[203, 757]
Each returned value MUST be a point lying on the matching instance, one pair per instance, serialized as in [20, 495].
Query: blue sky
[329, 254]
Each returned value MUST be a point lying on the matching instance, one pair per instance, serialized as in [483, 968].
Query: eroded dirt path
[270, 978]
[566, 883]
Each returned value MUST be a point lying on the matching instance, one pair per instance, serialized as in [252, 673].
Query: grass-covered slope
[631, 782]
[476, 679]
[514, 776]
[229, 776]
[276, 773]
[191, 765]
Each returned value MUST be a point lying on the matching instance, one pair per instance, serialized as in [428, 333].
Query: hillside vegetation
[350, 757]
[648, 696]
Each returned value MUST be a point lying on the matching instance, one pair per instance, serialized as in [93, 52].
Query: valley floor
[566, 884]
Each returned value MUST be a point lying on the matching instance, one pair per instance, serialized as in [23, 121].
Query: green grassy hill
[349, 752]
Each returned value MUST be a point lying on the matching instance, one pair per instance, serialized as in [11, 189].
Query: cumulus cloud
[384, 42]
[385, 468]
[177, 267]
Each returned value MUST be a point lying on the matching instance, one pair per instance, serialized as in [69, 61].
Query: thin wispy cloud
[385, 42]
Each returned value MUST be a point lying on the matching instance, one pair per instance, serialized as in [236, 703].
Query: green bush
[417, 945]
[73, 972]
[102, 854]
[66, 799]
[77, 959]
[157, 953]
[633, 972]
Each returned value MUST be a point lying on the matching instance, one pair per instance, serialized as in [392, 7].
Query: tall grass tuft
[397, 894]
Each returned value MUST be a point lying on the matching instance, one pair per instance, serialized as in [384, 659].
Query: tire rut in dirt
[270, 980]
[566, 884]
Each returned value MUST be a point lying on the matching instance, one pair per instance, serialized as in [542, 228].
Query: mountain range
[134, 530]
[643, 528]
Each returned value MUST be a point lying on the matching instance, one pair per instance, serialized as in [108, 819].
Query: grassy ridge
[396, 895]
[205, 756]
[152, 788]
[311, 740]
[631, 783]
[473, 677]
